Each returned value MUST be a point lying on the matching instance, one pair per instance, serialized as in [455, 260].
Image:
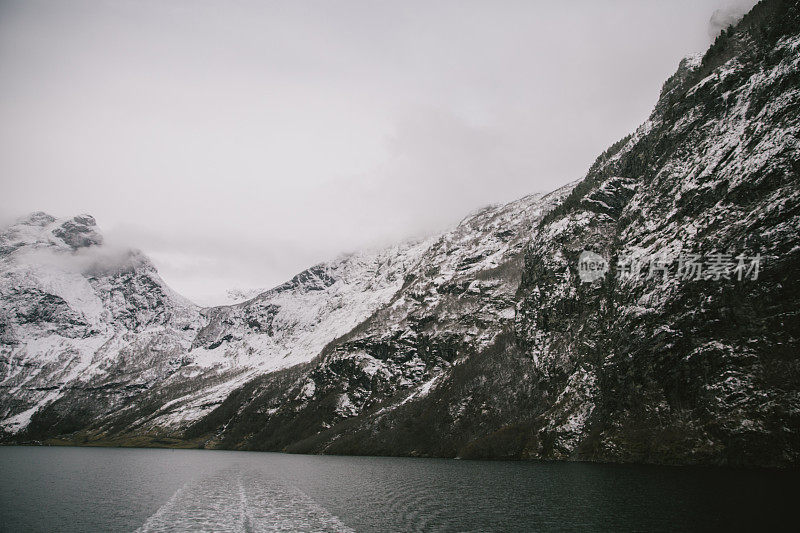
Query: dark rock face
[685, 370]
[488, 341]
[80, 232]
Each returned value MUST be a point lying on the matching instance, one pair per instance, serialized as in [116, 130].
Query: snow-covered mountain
[484, 341]
[87, 326]
[75, 311]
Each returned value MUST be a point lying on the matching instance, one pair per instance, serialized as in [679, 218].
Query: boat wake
[236, 500]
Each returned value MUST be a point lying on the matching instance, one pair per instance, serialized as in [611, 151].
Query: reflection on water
[107, 489]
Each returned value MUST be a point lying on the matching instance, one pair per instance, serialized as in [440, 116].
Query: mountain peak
[42, 229]
[78, 232]
[37, 218]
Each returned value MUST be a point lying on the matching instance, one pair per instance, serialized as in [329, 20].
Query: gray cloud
[237, 143]
[93, 261]
[727, 16]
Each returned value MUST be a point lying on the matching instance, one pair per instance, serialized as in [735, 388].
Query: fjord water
[112, 489]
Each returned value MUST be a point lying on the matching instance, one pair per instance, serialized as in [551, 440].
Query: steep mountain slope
[488, 341]
[650, 368]
[685, 366]
[457, 301]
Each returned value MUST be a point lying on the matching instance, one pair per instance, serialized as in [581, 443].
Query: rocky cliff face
[679, 364]
[487, 341]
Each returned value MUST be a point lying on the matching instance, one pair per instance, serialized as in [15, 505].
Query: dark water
[106, 489]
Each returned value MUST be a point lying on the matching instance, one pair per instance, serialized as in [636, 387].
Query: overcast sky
[239, 142]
